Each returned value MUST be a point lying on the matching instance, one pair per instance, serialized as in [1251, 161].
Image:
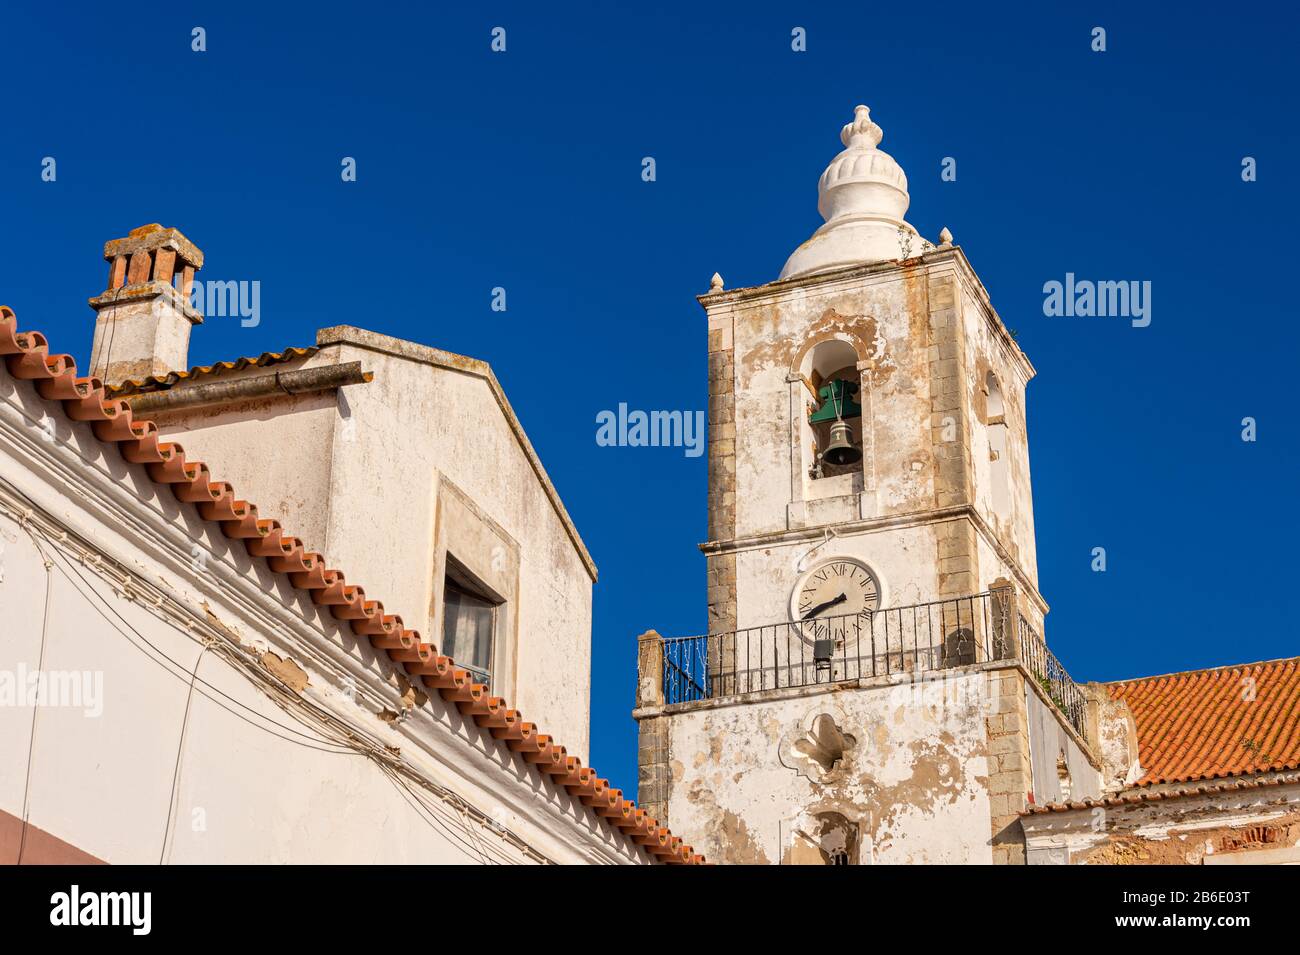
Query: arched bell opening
[999, 470]
[833, 414]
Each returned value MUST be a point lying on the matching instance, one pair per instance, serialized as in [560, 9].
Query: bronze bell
[841, 451]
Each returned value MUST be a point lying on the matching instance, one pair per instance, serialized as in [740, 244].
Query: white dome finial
[863, 197]
[862, 131]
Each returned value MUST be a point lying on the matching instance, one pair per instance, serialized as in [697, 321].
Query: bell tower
[868, 404]
[870, 530]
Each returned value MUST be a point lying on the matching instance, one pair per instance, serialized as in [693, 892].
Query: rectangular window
[468, 627]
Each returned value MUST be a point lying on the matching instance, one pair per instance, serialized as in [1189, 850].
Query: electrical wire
[36, 709]
[108, 351]
[95, 596]
[426, 813]
[344, 749]
[180, 749]
[180, 669]
[346, 741]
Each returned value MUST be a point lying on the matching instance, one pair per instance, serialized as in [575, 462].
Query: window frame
[457, 578]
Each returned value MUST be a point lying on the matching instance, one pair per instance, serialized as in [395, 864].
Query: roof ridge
[408, 350]
[1199, 670]
[85, 400]
[1133, 795]
[130, 387]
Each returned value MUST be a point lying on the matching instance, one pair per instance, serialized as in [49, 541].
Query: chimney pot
[144, 318]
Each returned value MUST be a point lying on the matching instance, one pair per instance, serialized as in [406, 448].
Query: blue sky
[523, 170]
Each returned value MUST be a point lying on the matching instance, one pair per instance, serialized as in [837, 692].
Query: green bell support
[836, 397]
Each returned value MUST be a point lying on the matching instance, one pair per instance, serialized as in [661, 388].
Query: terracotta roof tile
[136, 386]
[1208, 724]
[1134, 796]
[27, 357]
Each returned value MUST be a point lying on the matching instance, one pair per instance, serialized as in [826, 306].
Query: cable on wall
[36, 708]
[336, 732]
[180, 750]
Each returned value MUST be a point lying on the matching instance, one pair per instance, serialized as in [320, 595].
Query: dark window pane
[467, 627]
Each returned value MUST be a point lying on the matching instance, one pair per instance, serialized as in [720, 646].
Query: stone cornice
[868, 525]
[846, 279]
[837, 280]
[883, 681]
[144, 292]
[1247, 794]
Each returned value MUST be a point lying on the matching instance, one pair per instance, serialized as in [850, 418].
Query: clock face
[836, 600]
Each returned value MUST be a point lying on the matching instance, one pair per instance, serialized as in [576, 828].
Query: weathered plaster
[1062, 768]
[1251, 824]
[913, 780]
[356, 474]
[923, 335]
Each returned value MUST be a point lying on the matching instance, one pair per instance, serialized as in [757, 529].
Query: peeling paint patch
[744, 849]
[1192, 846]
[288, 672]
[220, 626]
[410, 696]
[909, 782]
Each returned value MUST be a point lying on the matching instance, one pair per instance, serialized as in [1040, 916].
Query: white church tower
[873, 687]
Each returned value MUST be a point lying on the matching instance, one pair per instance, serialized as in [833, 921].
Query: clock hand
[823, 606]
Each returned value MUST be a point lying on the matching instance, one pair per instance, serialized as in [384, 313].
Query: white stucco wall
[1013, 525]
[131, 605]
[903, 559]
[275, 452]
[355, 473]
[1049, 743]
[416, 419]
[249, 789]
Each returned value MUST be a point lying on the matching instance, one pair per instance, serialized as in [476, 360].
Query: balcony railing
[931, 636]
[928, 636]
[1051, 676]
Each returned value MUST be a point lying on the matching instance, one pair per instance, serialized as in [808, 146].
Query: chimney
[144, 318]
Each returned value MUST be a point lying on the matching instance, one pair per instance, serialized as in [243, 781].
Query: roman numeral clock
[835, 600]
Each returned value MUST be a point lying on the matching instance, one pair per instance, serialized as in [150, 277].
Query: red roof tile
[1207, 724]
[27, 357]
[135, 386]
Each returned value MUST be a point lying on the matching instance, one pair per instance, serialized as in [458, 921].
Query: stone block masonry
[950, 431]
[1010, 775]
[721, 568]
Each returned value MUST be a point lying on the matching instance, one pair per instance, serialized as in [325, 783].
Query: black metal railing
[1051, 676]
[913, 639]
[929, 636]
